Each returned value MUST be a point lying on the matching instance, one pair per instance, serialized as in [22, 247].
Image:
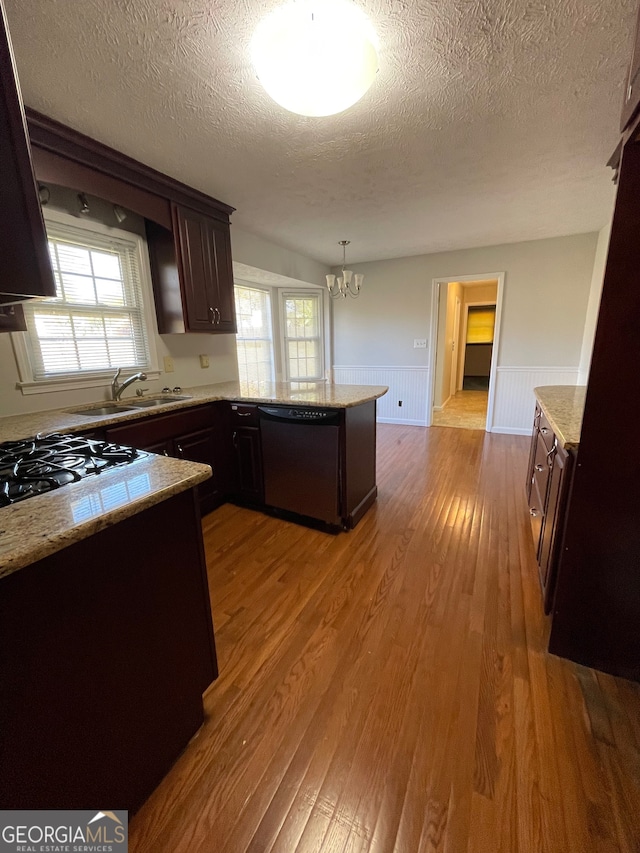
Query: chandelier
[315, 57]
[347, 282]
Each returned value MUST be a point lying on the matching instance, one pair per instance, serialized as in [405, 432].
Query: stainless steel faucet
[117, 388]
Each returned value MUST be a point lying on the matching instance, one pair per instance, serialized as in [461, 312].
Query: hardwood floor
[388, 690]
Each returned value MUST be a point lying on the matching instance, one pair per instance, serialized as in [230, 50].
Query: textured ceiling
[490, 121]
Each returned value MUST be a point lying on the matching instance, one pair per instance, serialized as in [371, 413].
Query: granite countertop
[563, 406]
[321, 394]
[40, 526]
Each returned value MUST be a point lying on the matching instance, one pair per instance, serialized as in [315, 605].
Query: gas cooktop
[33, 466]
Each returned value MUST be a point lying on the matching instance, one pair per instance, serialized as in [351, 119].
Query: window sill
[68, 383]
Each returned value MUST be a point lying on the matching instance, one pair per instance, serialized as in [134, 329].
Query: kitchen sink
[145, 402]
[105, 409]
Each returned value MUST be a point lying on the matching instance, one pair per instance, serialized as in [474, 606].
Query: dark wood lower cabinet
[551, 539]
[192, 434]
[248, 482]
[548, 482]
[228, 437]
[105, 650]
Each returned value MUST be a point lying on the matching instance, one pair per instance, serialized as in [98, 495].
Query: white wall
[546, 292]
[184, 349]
[593, 305]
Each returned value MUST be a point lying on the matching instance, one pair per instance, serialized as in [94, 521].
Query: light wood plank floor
[388, 690]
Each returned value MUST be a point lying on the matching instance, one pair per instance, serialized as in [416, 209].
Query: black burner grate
[37, 465]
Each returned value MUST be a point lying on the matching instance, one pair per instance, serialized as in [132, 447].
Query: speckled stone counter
[40, 526]
[563, 406]
[321, 394]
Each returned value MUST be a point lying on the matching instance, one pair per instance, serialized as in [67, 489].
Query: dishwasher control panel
[326, 416]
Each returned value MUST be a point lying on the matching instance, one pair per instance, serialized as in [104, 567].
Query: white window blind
[95, 322]
[254, 341]
[302, 336]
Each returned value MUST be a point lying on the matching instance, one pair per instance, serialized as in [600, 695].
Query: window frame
[269, 291]
[318, 294]
[99, 378]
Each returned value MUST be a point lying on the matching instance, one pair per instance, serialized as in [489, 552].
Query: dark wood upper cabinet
[192, 273]
[632, 83]
[203, 248]
[25, 270]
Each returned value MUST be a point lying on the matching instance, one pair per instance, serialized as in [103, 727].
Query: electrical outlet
[419, 343]
[204, 360]
[168, 364]
[400, 403]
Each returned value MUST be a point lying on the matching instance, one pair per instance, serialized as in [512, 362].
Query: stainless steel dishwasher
[301, 460]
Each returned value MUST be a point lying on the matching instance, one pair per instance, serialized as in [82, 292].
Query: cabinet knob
[539, 467]
[180, 450]
[212, 316]
[533, 511]
[544, 430]
[217, 310]
[164, 453]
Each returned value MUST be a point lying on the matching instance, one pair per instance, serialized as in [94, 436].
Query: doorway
[465, 328]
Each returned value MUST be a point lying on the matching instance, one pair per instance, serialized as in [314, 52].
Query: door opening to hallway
[465, 328]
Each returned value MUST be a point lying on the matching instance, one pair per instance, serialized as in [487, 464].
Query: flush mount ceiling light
[347, 283]
[315, 57]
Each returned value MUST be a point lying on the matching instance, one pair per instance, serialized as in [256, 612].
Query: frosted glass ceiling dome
[315, 57]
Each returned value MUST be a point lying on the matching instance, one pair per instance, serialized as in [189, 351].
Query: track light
[119, 213]
[83, 204]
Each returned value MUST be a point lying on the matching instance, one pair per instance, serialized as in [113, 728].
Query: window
[297, 326]
[95, 322]
[302, 336]
[254, 340]
[481, 322]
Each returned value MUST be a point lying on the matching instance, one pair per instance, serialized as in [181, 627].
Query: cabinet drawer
[243, 414]
[547, 434]
[157, 429]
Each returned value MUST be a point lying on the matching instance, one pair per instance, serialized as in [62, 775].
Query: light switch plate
[204, 360]
[168, 364]
[419, 343]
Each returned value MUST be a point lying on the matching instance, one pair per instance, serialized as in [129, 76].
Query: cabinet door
[246, 442]
[554, 525]
[25, 270]
[221, 273]
[200, 446]
[199, 295]
[161, 448]
[532, 451]
[206, 276]
[632, 83]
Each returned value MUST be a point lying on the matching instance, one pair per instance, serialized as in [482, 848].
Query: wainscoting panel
[514, 398]
[409, 384]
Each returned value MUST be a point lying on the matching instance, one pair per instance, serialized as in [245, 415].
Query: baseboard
[401, 421]
[512, 431]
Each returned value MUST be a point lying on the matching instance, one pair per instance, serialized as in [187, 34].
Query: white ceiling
[490, 121]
